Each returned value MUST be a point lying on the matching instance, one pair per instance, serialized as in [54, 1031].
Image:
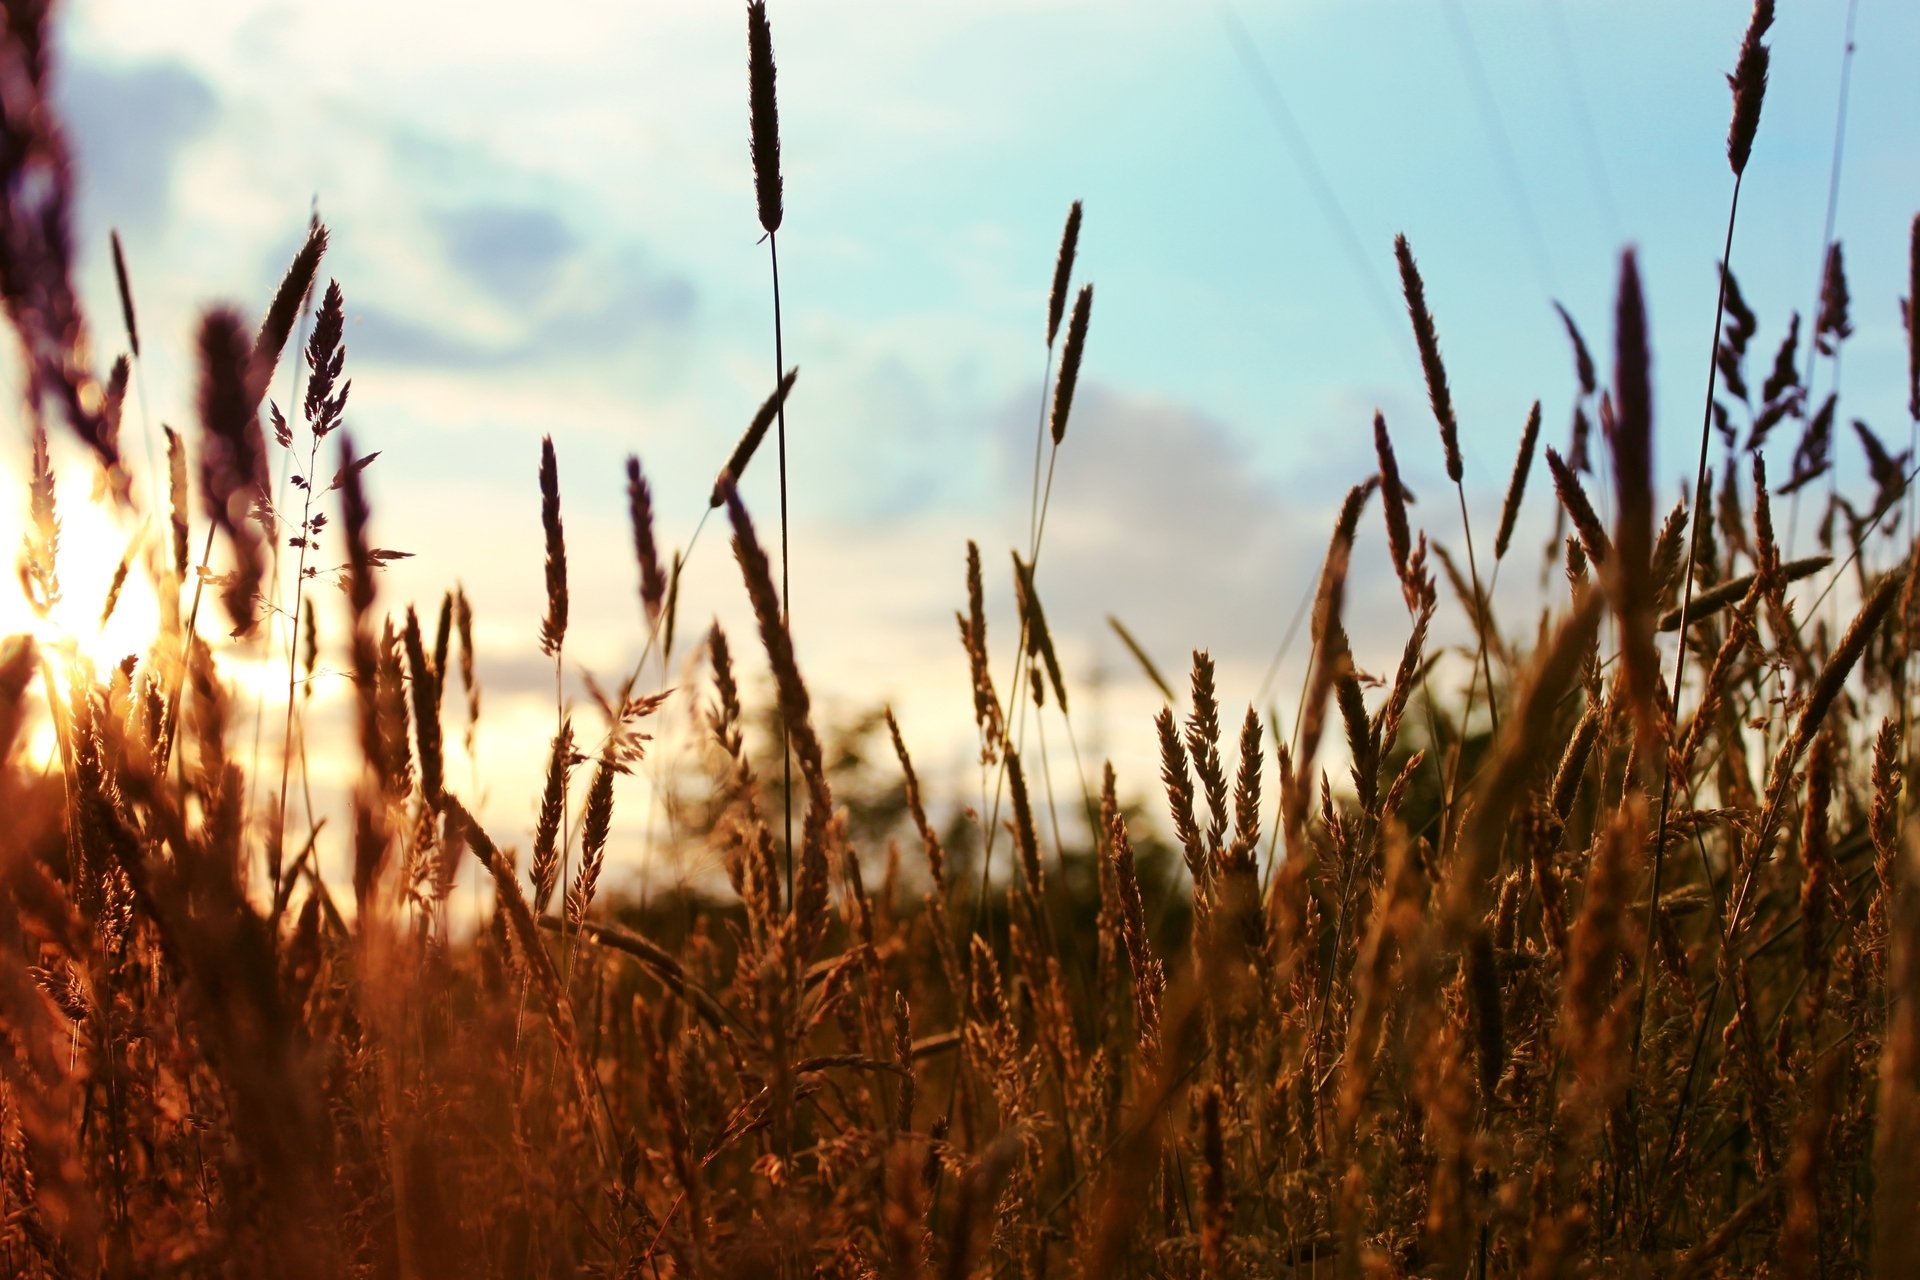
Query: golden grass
[1626, 985]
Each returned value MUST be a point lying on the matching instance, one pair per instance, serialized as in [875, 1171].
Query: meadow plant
[1627, 983]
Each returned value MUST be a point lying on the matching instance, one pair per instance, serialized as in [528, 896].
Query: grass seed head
[1428, 342]
[1749, 84]
[764, 116]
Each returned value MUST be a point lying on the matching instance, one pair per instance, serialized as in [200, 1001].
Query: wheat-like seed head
[1393, 497]
[553, 628]
[1517, 482]
[1749, 85]
[1913, 321]
[653, 579]
[749, 442]
[1063, 272]
[1579, 508]
[1428, 342]
[126, 295]
[1070, 363]
[288, 300]
[764, 117]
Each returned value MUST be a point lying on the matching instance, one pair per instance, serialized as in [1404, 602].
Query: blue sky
[550, 228]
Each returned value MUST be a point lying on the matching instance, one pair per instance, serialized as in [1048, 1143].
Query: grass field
[1607, 968]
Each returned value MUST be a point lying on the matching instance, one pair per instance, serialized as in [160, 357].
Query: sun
[106, 610]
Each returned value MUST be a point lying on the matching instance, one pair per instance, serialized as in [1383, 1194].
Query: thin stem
[1039, 446]
[293, 638]
[780, 416]
[566, 813]
[1037, 525]
[1686, 604]
[1833, 191]
[1483, 606]
[786, 730]
[1860, 542]
[186, 654]
[1286, 643]
[1037, 520]
[293, 650]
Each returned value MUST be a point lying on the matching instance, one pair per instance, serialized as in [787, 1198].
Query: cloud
[516, 252]
[1161, 514]
[128, 125]
[545, 298]
[384, 337]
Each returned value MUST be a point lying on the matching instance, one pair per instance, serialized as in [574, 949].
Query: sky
[550, 228]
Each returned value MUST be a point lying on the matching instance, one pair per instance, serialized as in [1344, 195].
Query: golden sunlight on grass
[1553, 952]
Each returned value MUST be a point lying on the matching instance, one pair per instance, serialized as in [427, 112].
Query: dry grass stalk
[1344, 1081]
[1428, 342]
[653, 580]
[1203, 746]
[1410, 673]
[1882, 829]
[1063, 272]
[1579, 508]
[177, 500]
[1805, 1229]
[545, 869]
[1766, 548]
[125, 289]
[1174, 775]
[1026, 839]
[1215, 1211]
[1749, 84]
[1896, 1198]
[756, 432]
[916, 807]
[595, 824]
[1821, 698]
[764, 119]
[1393, 497]
[1517, 482]
[1817, 882]
[424, 688]
[1033, 623]
[1596, 1009]
[1332, 657]
[1632, 562]
[114, 587]
[559, 1009]
[1141, 656]
[973, 638]
[1514, 759]
[810, 892]
[1488, 1019]
[1149, 977]
[1666, 549]
[233, 460]
[1733, 590]
[1913, 321]
[277, 325]
[1832, 325]
[1070, 364]
[1696, 1260]
[553, 628]
[1393, 925]
[463, 628]
[1353, 714]
[36, 243]
[1582, 358]
[1246, 797]
[1474, 604]
[40, 558]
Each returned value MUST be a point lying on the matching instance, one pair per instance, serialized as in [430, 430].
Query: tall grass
[1630, 990]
